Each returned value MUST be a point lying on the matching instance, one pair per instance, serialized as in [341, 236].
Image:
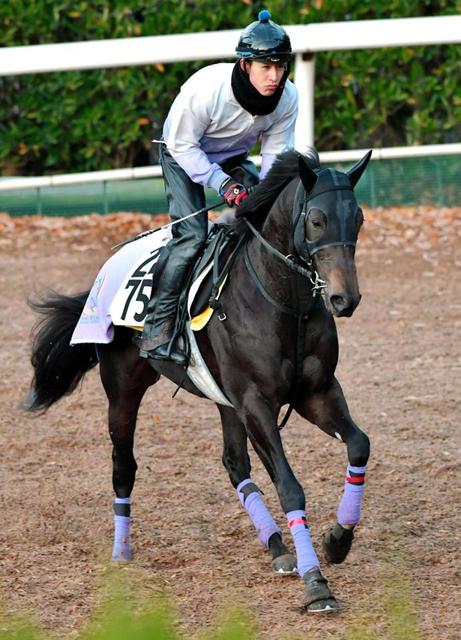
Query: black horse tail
[58, 367]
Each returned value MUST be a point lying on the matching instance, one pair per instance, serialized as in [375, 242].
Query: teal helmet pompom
[264, 15]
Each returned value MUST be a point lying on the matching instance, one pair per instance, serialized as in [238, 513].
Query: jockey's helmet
[265, 41]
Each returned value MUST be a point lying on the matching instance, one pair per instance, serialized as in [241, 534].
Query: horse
[273, 344]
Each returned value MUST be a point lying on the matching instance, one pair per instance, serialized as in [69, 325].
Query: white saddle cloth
[119, 297]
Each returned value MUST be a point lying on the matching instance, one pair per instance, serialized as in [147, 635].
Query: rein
[259, 285]
[289, 260]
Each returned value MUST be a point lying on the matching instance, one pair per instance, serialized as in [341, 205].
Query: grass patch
[124, 614]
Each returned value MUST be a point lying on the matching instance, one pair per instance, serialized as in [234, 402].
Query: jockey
[219, 114]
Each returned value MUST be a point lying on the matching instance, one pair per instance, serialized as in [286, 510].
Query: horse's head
[326, 231]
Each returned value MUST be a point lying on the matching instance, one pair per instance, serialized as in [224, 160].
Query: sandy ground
[400, 369]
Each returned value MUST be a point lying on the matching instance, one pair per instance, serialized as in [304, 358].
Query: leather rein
[308, 271]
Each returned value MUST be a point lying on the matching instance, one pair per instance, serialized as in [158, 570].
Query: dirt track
[400, 369]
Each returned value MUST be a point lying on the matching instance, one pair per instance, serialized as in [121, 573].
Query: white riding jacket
[206, 125]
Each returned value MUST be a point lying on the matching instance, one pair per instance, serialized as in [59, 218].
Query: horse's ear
[356, 172]
[308, 177]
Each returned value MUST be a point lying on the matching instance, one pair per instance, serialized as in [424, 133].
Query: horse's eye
[316, 223]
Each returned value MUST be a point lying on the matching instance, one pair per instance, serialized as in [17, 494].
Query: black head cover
[331, 194]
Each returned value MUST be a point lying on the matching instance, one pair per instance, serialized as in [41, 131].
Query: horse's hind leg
[237, 463]
[125, 377]
[329, 411]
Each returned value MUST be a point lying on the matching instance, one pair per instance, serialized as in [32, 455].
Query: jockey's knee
[190, 246]
[190, 252]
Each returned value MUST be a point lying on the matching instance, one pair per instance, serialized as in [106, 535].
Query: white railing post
[304, 79]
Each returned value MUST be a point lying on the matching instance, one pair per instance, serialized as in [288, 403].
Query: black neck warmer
[250, 98]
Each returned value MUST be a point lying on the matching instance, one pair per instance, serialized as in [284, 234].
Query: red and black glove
[233, 193]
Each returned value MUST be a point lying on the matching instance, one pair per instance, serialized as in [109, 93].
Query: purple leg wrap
[349, 507]
[258, 512]
[305, 554]
[121, 549]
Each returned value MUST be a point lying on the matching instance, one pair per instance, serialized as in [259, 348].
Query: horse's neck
[277, 279]
[278, 226]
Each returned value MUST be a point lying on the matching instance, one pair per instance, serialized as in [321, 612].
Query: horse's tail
[58, 367]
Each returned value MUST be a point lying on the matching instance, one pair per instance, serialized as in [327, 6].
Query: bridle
[290, 260]
[331, 192]
[299, 214]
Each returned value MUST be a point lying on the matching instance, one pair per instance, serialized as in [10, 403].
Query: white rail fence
[111, 191]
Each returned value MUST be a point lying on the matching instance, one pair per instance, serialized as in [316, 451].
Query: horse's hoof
[337, 543]
[318, 597]
[285, 565]
[329, 605]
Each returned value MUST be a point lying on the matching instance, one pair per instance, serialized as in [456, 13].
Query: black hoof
[283, 562]
[318, 597]
[285, 565]
[329, 605]
[337, 543]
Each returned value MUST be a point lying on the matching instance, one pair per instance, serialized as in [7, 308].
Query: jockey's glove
[233, 192]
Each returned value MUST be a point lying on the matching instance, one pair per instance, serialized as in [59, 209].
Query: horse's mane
[256, 207]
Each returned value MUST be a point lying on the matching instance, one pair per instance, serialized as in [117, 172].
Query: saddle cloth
[119, 297]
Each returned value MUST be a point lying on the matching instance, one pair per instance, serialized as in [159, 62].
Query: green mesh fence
[411, 181]
[143, 195]
[386, 183]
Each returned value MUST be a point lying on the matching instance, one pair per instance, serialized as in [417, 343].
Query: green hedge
[93, 120]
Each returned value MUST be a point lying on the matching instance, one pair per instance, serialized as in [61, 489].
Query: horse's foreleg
[237, 463]
[268, 445]
[328, 409]
[125, 377]
[261, 426]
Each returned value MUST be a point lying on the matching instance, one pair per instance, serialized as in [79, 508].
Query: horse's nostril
[338, 302]
[344, 305]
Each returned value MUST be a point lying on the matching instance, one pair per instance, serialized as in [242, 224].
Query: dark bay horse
[275, 344]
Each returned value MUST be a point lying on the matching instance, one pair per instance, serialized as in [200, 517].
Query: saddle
[200, 298]
[122, 289]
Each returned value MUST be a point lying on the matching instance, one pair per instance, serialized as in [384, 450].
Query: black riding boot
[156, 340]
